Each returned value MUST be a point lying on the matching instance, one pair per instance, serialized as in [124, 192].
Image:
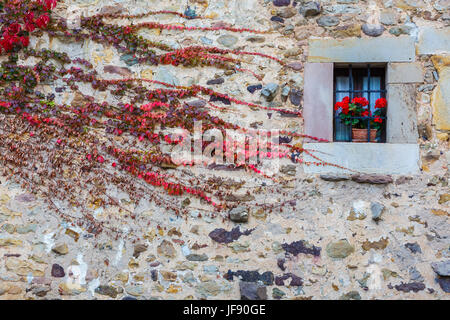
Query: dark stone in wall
[374, 179]
[277, 294]
[414, 247]
[125, 72]
[285, 139]
[196, 103]
[288, 115]
[296, 65]
[295, 97]
[224, 167]
[250, 276]
[301, 246]
[111, 9]
[215, 81]
[107, 291]
[57, 271]
[220, 99]
[138, 249]
[197, 257]
[352, 295]
[286, 13]
[280, 264]
[402, 180]
[397, 31]
[295, 280]
[310, 9]
[373, 30]
[425, 131]
[328, 21]
[442, 268]
[239, 214]
[252, 291]
[413, 286]
[41, 291]
[444, 283]
[334, 178]
[269, 91]
[129, 59]
[281, 3]
[253, 88]
[222, 236]
[277, 19]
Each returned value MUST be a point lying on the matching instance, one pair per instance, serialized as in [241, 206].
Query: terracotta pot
[360, 135]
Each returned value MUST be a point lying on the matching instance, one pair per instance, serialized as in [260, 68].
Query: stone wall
[330, 236]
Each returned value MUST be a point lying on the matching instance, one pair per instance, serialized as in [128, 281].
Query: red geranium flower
[360, 100]
[344, 104]
[380, 103]
[345, 109]
[378, 119]
[337, 106]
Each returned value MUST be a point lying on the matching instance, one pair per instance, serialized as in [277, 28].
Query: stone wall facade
[327, 236]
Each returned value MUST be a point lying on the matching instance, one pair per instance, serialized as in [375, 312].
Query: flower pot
[360, 135]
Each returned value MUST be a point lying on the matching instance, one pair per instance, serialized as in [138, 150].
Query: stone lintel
[362, 50]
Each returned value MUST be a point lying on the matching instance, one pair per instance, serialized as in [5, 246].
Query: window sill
[371, 158]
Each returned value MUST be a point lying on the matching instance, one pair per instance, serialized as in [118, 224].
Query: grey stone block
[433, 41]
[401, 123]
[318, 100]
[404, 73]
[370, 158]
[364, 50]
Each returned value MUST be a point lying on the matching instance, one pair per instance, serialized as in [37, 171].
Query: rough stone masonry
[344, 237]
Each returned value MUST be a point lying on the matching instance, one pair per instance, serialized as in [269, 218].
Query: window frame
[401, 153]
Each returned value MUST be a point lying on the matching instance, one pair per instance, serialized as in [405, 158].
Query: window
[394, 75]
[353, 81]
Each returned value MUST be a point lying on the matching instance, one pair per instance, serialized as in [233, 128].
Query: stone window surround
[400, 153]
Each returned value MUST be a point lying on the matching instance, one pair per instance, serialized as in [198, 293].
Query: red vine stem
[150, 13]
[156, 25]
